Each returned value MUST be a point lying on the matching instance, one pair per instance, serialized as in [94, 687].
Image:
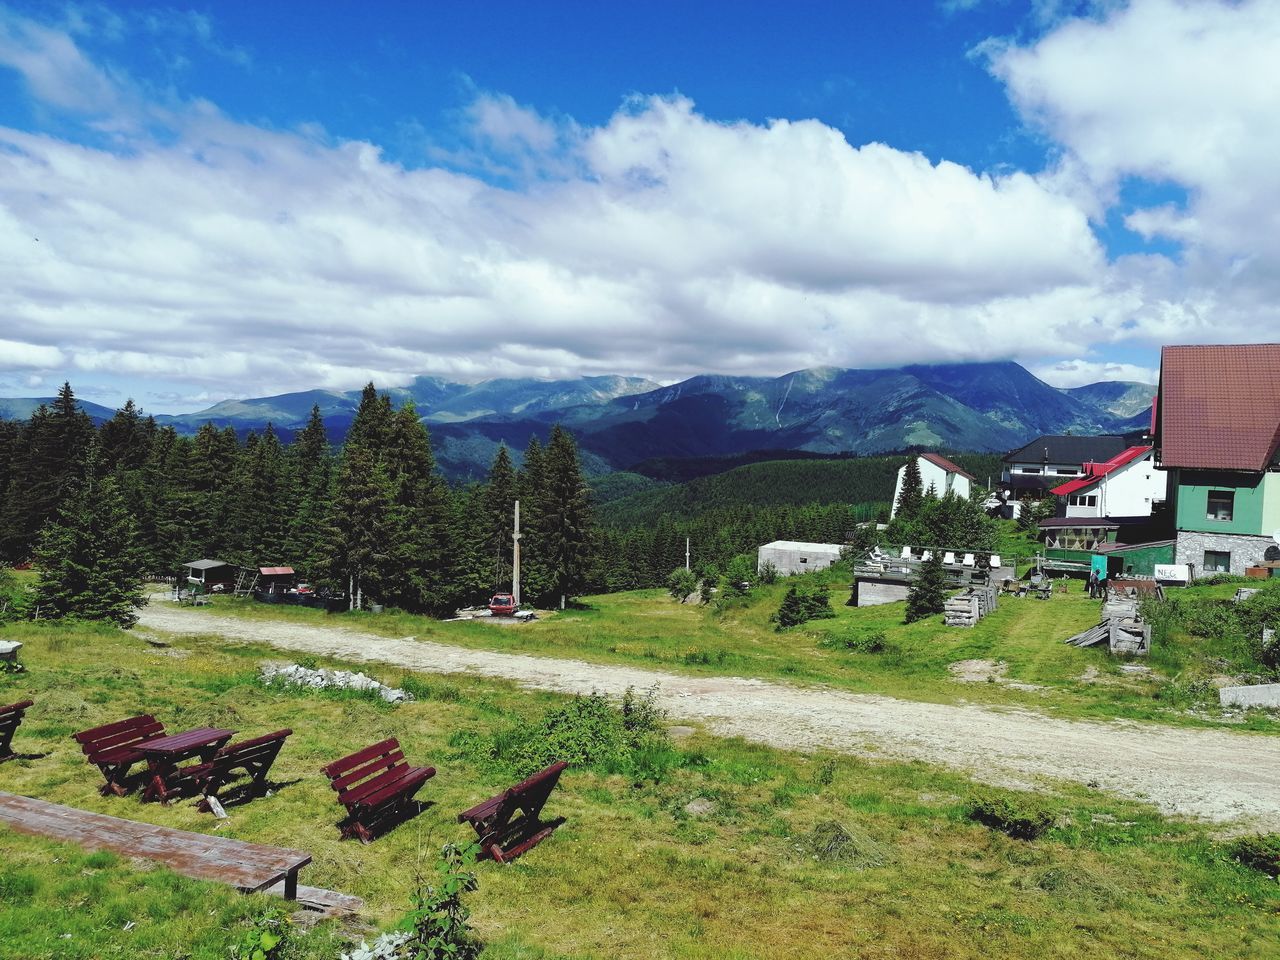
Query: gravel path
[1218, 775]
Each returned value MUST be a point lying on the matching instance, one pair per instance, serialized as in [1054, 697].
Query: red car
[502, 605]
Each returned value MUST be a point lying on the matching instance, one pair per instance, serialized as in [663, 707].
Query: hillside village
[960, 593]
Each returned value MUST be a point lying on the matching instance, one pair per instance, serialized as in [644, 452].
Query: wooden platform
[249, 867]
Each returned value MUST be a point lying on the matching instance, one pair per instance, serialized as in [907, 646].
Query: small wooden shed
[212, 576]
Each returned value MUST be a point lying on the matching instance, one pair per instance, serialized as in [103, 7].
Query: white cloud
[1077, 373]
[1177, 93]
[240, 260]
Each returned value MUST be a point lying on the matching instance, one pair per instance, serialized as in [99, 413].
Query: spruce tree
[88, 557]
[531, 485]
[565, 522]
[499, 511]
[312, 471]
[354, 555]
[912, 493]
[418, 530]
[928, 594]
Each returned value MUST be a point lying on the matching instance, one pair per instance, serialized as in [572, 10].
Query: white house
[792, 557]
[1127, 485]
[936, 471]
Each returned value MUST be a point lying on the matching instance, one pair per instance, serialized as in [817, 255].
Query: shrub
[681, 583]
[587, 732]
[874, 642]
[800, 608]
[440, 921]
[267, 940]
[1021, 817]
[928, 593]
[1261, 852]
[769, 573]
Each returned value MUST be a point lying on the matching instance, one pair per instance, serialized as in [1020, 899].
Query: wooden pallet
[249, 867]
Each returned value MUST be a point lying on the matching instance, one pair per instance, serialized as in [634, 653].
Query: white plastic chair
[926, 556]
[995, 561]
[968, 560]
[906, 553]
[949, 557]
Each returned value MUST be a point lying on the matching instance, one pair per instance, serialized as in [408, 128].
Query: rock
[700, 807]
[296, 675]
[679, 733]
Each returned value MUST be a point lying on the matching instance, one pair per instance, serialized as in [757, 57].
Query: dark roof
[939, 460]
[1060, 449]
[1125, 547]
[206, 564]
[1218, 407]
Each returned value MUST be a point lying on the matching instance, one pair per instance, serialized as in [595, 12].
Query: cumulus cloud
[1077, 373]
[244, 260]
[1184, 94]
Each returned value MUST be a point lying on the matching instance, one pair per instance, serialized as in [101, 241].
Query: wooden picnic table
[164, 754]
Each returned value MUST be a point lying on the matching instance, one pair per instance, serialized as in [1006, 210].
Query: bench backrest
[258, 749]
[14, 711]
[529, 794]
[122, 733]
[356, 775]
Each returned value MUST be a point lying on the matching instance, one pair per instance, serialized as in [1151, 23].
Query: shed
[792, 557]
[275, 578]
[210, 574]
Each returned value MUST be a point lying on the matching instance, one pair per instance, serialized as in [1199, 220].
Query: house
[1216, 432]
[791, 557]
[938, 472]
[1032, 471]
[1127, 485]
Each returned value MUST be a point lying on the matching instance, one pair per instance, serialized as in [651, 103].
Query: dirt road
[1218, 775]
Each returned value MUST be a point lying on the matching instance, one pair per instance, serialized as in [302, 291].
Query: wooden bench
[254, 757]
[376, 785]
[113, 748]
[10, 717]
[505, 838]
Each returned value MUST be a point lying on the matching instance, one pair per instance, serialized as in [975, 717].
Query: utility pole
[515, 558]
[686, 553]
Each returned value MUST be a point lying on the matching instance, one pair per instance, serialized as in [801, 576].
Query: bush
[874, 642]
[1021, 817]
[798, 608]
[1261, 852]
[928, 594]
[587, 732]
[769, 573]
[681, 583]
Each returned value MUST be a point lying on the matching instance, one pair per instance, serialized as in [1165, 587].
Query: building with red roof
[1125, 485]
[1217, 433]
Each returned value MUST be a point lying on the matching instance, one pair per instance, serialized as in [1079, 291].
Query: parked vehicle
[502, 605]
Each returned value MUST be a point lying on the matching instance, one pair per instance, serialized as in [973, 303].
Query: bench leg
[291, 885]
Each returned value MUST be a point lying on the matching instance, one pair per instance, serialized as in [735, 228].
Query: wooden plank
[329, 902]
[247, 866]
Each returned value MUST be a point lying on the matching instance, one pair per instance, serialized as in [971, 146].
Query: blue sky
[237, 199]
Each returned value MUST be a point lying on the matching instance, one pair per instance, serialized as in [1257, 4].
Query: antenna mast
[515, 558]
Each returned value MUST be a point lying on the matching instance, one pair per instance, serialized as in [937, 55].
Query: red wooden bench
[113, 748]
[254, 757]
[10, 717]
[504, 838]
[376, 785]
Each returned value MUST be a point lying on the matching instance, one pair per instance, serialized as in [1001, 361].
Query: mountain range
[621, 421]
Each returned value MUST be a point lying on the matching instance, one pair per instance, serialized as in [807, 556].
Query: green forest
[374, 520]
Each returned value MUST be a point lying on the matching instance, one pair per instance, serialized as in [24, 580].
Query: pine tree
[531, 485]
[565, 521]
[418, 531]
[312, 471]
[354, 554]
[88, 557]
[499, 511]
[928, 594]
[912, 493]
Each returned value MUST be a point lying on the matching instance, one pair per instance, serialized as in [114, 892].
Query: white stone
[1258, 695]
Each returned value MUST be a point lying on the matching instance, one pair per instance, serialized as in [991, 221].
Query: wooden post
[515, 558]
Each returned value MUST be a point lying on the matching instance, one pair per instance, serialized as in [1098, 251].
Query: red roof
[938, 460]
[1219, 406]
[1093, 472]
[276, 571]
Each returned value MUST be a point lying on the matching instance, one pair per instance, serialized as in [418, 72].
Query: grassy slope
[650, 629]
[630, 874]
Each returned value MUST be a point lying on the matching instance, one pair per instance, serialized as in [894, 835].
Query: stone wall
[1246, 551]
[872, 593]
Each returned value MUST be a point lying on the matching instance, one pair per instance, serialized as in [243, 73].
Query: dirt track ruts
[1215, 774]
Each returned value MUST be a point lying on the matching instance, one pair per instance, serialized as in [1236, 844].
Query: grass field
[631, 873]
[648, 628]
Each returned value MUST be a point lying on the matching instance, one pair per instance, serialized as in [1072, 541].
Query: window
[1066, 471]
[1083, 500]
[1221, 505]
[804, 559]
[1217, 561]
[1029, 469]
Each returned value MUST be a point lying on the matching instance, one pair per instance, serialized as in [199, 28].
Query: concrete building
[938, 472]
[1217, 433]
[1127, 485]
[791, 557]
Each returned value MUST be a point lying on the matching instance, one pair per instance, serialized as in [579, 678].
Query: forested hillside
[779, 483]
